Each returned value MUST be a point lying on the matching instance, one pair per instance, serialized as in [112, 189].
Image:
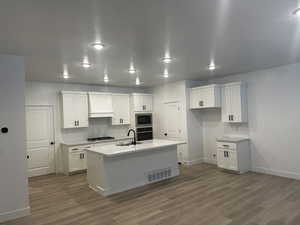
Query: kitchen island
[114, 168]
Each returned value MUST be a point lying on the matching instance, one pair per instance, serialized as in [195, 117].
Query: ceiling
[238, 35]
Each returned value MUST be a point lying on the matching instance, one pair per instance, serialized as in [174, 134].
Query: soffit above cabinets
[237, 36]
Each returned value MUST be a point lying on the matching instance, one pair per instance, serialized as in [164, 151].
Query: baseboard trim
[193, 162]
[210, 160]
[14, 214]
[280, 173]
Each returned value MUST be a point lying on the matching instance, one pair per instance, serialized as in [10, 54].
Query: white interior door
[40, 140]
[172, 120]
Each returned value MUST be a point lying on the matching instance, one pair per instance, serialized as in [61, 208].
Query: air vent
[157, 175]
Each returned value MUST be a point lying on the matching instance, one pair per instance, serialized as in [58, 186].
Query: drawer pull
[226, 146]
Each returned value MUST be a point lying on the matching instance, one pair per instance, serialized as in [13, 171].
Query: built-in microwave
[143, 120]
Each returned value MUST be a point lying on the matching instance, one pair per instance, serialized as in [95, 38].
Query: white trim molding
[14, 214]
[280, 173]
[192, 162]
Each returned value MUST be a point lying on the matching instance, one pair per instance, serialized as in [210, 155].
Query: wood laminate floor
[200, 195]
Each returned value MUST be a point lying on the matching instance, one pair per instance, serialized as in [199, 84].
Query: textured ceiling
[238, 35]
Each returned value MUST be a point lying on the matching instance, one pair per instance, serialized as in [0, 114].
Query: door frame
[51, 108]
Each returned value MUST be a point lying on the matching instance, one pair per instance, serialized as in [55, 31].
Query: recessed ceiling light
[166, 73]
[137, 81]
[86, 65]
[98, 46]
[106, 80]
[212, 67]
[132, 71]
[297, 12]
[167, 60]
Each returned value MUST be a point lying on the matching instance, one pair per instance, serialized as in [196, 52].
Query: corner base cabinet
[234, 156]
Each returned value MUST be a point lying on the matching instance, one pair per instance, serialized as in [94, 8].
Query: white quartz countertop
[232, 139]
[86, 142]
[114, 150]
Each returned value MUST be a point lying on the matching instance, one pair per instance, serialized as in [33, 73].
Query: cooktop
[100, 138]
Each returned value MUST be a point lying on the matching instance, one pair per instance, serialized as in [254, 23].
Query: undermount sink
[128, 143]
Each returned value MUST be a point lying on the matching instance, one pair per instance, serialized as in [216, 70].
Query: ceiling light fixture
[296, 12]
[167, 60]
[212, 66]
[98, 46]
[66, 73]
[132, 70]
[166, 73]
[137, 81]
[106, 80]
[86, 65]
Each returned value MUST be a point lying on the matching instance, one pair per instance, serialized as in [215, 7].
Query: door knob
[52, 143]
[166, 134]
[4, 130]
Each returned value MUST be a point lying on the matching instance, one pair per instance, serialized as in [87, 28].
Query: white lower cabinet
[234, 156]
[74, 159]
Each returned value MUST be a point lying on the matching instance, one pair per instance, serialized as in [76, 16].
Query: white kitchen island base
[113, 169]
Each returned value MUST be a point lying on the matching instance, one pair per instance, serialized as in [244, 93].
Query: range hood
[100, 105]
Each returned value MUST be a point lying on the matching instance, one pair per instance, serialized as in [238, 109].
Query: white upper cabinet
[205, 97]
[100, 104]
[234, 103]
[142, 102]
[121, 109]
[74, 109]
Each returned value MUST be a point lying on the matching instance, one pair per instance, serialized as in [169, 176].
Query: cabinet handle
[232, 118]
[144, 107]
[226, 146]
[229, 117]
[77, 122]
[120, 120]
[201, 103]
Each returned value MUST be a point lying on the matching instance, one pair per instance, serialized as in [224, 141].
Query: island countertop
[114, 150]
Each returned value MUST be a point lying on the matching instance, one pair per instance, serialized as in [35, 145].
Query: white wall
[41, 93]
[273, 127]
[13, 168]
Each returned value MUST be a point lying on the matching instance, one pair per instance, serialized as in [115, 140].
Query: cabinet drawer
[226, 145]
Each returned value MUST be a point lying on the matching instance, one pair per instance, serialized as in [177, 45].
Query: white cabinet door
[142, 102]
[226, 104]
[227, 159]
[81, 102]
[222, 163]
[121, 109]
[195, 98]
[234, 103]
[74, 109]
[147, 103]
[205, 97]
[69, 116]
[77, 161]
